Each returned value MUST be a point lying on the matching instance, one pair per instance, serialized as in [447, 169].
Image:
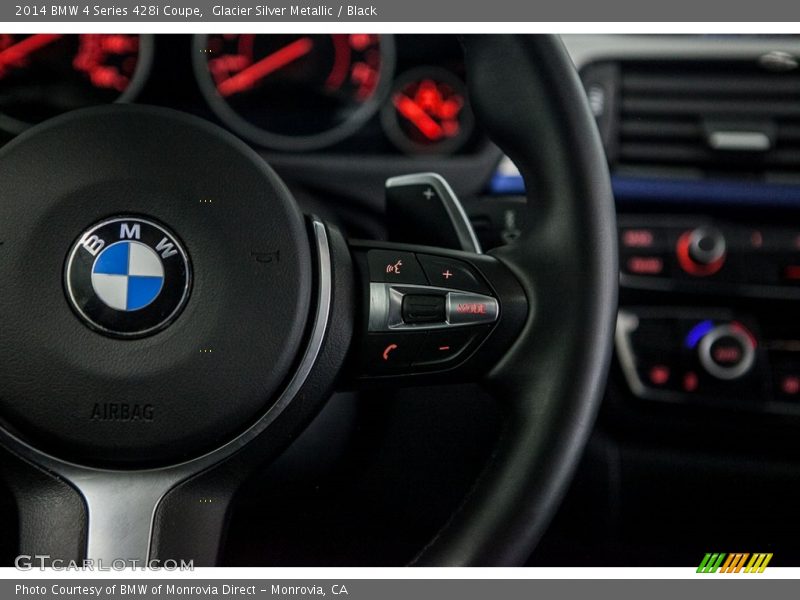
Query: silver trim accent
[121, 504]
[726, 373]
[386, 307]
[627, 323]
[739, 141]
[452, 205]
[378, 306]
[589, 48]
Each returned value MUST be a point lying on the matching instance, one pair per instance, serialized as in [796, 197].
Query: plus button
[447, 274]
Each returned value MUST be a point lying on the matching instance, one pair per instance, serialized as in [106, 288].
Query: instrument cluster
[339, 93]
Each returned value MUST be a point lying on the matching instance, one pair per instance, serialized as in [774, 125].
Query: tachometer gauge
[427, 112]
[45, 75]
[294, 92]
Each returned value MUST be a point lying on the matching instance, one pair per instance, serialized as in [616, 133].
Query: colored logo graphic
[720, 562]
[127, 276]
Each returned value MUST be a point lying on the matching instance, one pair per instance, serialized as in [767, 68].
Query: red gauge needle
[421, 120]
[246, 79]
[13, 54]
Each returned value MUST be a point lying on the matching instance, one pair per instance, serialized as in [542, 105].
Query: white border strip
[612, 27]
[309, 574]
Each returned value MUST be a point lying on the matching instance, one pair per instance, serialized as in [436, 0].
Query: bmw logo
[127, 277]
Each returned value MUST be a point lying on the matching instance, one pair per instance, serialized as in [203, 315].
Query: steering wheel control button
[395, 267]
[451, 273]
[423, 308]
[127, 277]
[386, 354]
[727, 351]
[413, 307]
[445, 347]
[463, 308]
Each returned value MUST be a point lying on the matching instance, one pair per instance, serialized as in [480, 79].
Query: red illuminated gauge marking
[294, 92]
[428, 112]
[15, 55]
[434, 109]
[108, 60]
[417, 115]
[247, 78]
[44, 75]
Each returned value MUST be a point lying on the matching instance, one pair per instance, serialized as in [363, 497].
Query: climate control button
[727, 351]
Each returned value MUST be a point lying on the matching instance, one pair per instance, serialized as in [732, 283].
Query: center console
[704, 316]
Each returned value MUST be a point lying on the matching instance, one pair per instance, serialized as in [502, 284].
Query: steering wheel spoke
[432, 314]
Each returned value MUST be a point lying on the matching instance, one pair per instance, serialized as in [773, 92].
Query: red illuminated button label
[659, 375]
[645, 265]
[790, 385]
[471, 308]
[387, 352]
[395, 267]
[451, 273]
[638, 238]
[726, 354]
[690, 381]
[446, 347]
[792, 273]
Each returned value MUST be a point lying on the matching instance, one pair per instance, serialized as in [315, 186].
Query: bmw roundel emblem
[127, 277]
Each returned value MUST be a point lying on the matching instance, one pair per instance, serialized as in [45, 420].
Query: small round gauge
[44, 75]
[428, 112]
[294, 92]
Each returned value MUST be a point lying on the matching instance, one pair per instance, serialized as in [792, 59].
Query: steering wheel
[170, 321]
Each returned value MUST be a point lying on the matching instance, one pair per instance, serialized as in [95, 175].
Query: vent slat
[675, 83]
[667, 129]
[667, 108]
[754, 108]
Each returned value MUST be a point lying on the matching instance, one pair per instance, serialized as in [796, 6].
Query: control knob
[701, 251]
[727, 351]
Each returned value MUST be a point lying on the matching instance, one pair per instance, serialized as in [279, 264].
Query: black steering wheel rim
[526, 93]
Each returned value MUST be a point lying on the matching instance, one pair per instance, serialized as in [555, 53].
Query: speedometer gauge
[294, 92]
[45, 75]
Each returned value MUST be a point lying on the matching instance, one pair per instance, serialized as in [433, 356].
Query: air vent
[733, 119]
